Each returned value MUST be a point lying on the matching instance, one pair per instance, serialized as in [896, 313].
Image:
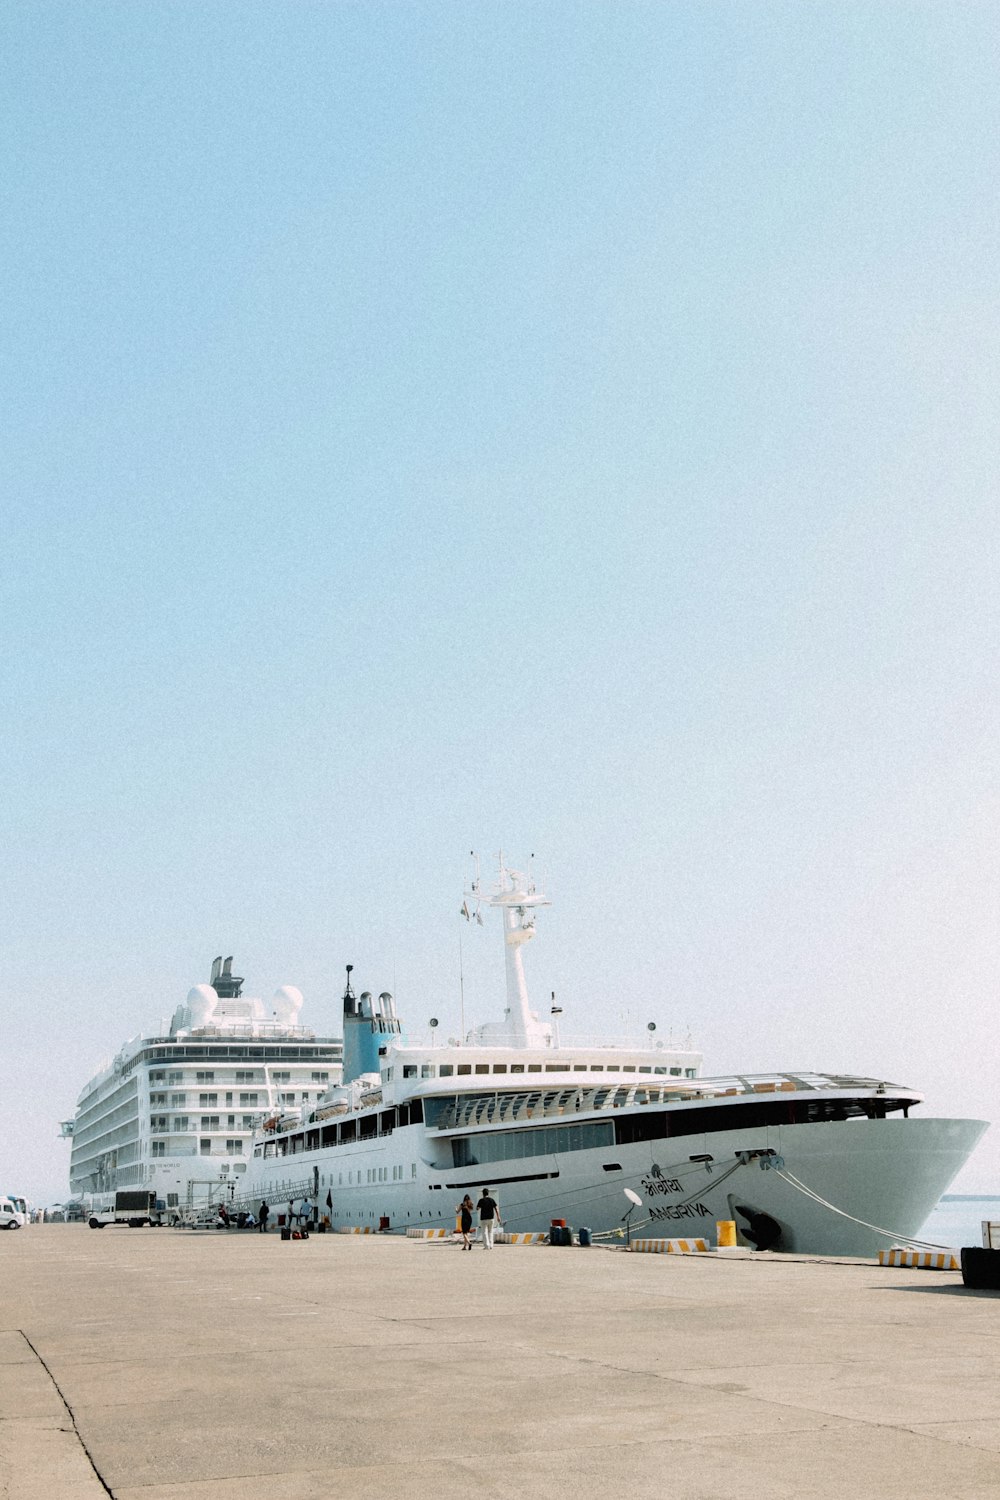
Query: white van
[10, 1217]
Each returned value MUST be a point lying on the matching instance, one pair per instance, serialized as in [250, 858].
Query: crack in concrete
[70, 1413]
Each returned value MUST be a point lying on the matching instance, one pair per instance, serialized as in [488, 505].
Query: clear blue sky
[570, 428]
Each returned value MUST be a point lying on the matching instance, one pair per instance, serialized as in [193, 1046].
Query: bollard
[725, 1230]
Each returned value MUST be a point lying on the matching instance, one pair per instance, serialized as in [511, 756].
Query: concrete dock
[164, 1365]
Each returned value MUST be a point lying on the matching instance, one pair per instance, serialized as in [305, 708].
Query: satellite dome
[201, 1003]
[286, 1004]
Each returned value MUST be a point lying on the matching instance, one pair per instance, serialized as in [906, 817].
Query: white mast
[518, 899]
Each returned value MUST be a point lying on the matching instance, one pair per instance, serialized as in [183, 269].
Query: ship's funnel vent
[226, 984]
[368, 1023]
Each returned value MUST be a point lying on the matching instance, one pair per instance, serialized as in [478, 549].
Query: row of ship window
[233, 1148]
[450, 1070]
[160, 1124]
[239, 1075]
[555, 1139]
[255, 1056]
[353, 1178]
[509, 1145]
[364, 1127]
[208, 1100]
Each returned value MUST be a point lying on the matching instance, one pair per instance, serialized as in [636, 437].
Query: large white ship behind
[802, 1161]
[175, 1111]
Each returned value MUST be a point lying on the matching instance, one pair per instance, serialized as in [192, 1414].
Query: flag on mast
[465, 910]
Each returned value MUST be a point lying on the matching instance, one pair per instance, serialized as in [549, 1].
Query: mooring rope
[891, 1234]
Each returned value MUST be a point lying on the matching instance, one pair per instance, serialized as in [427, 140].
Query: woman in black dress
[465, 1209]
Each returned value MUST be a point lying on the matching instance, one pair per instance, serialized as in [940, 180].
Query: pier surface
[163, 1365]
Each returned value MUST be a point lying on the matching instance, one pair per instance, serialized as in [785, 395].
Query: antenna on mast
[461, 987]
[555, 1012]
[475, 891]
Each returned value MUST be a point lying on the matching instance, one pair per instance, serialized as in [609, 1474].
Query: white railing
[194, 1151]
[493, 1107]
[271, 1030]
[278, 1195]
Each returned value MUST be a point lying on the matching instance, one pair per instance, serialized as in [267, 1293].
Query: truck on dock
[136, 1208]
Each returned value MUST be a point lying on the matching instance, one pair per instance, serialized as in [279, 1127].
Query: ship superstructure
[175, 1112]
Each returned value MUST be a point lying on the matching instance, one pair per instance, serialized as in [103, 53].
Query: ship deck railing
[268, 1030]
[216, 1152]
[279, 1194]
[492, 1108]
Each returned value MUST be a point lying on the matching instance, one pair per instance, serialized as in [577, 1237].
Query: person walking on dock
[489, 1216]
[465, 1214]
[262, 1214]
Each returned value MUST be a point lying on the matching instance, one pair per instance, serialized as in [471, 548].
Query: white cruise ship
[175, 1113]
[559, 1130]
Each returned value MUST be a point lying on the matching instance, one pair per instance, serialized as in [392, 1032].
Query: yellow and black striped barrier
[922, 1260]
[671, 1247]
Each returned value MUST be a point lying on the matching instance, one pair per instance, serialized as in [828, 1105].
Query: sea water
[958, 1220]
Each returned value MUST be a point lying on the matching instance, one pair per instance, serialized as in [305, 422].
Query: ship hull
[887, 1173]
